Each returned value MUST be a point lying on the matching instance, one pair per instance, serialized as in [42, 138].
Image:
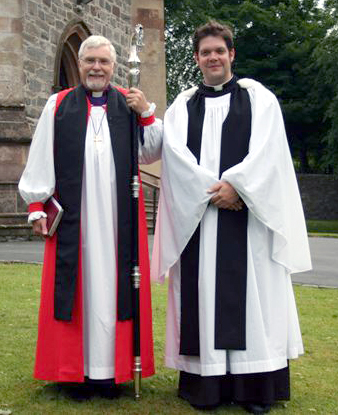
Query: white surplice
[98, 226]
[277, 239]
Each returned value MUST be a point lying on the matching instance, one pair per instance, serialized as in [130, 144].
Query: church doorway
[66, 73]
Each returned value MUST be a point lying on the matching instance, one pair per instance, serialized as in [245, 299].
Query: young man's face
[96, 68]
[214, 60]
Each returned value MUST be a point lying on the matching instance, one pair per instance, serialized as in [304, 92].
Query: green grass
[322, 227]
[314, 377]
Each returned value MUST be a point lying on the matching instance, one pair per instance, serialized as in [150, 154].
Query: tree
[182, 17]
[326, 55]
[274, 45]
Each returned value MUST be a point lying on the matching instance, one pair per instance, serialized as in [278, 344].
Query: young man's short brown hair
[213, 28]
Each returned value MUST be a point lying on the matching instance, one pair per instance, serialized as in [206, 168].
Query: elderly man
[230, 230]
[80, 153]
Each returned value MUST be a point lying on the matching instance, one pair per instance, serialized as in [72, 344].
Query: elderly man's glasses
[92, 61]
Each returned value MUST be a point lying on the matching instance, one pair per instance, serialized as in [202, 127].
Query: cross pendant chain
[97, 136]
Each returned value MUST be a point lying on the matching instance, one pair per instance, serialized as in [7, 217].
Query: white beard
[96, 85]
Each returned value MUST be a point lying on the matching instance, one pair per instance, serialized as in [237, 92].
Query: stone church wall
[45, 21]
[319, 196]
[30, 37]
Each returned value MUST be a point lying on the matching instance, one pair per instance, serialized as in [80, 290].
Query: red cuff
[35, 207]
[146, 120]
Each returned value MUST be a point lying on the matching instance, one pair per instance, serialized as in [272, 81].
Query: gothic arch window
[66, 73]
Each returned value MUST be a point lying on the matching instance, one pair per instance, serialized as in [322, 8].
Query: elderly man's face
[96, 68]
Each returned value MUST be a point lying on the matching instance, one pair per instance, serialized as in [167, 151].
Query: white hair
[95, 41]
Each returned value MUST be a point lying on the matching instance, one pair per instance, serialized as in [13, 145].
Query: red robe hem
[59, 353]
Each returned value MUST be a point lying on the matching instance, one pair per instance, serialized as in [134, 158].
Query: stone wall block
[42, 25]
[151, 19]
[11, 162]
[11, 8]
[44, 75]
[41, 15]
[41, 102]
[35, 85]
[11, 58]
[13, 131]
[319, 194]
[70, 15]
[10, 92]
[10, 42]
[5, 24]
[32, 8]
[116, 11]
[125, 17]
[58, 3]
[116, 39]
[10, 85]
[16, 25]
[10, 25]
[93, 10]
[62, 13]
[31, 67]
[68, 5]
[34, 54]
[7, 201]
[32, 29]
[125, 4]
[50, 60]
[54, 36]
[29, 39]
[44, 35]
[33, 113]
[50, 19]
[11, 201]
[21, 205]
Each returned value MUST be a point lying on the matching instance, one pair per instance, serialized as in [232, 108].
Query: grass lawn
[322, 227]
[314, 377]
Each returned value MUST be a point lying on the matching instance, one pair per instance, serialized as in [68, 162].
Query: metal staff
[134, 80]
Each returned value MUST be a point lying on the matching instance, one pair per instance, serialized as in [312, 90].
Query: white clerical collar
[97, 94]
[218, 87]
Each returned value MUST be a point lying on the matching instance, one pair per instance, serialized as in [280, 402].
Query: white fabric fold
[277, 239]
[36, 215]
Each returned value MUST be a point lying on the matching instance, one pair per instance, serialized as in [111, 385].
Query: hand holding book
[54, 213]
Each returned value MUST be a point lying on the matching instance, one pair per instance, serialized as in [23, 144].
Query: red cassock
[59, 354]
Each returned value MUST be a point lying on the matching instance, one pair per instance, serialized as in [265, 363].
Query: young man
[80, 153]
[230, 230]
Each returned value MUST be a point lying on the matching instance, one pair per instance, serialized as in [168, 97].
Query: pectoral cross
[97, 139]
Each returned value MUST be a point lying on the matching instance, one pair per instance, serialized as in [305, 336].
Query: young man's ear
[232, 53]
[196, 57]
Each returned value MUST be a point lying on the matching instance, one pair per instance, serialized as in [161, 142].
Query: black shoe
[107, 392]
[205, 407]
[199, 407]
[78, 392]
[256, 408]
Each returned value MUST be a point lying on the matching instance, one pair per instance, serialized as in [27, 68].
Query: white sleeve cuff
[36, 215]
[150, 111]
